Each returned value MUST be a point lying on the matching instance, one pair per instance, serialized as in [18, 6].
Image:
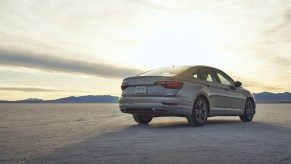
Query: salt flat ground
[100, 133]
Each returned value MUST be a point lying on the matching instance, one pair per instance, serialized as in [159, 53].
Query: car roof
[201, 66]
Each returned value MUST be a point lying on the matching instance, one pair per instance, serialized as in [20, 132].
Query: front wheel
[199, 113]
[142, 119]
[249, 112]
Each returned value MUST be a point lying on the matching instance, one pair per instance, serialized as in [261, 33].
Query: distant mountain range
[71, 99]
[268, 97]
[264, 97]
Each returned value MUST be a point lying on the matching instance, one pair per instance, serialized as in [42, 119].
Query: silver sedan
[194, 92]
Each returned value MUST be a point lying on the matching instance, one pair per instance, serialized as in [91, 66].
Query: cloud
[5, 87]
[263, 87]
[280, 31]
[32, 89]
[27, 88]
[65, 65]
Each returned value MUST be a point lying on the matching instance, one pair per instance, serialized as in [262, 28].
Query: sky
[58, 48]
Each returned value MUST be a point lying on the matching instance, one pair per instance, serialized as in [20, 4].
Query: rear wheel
[199, 113]
[142, 119]
[248, 112]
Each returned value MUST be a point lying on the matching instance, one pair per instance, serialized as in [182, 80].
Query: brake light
[170, 84]
[124, 86]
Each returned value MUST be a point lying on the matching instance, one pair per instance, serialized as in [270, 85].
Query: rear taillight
[170, 84]
[124, 86]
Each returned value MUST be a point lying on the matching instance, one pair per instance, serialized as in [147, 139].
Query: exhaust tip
[159, 110]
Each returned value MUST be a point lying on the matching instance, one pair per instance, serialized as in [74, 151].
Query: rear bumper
[156, 106]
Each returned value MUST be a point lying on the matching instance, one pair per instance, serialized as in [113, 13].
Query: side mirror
[237, 84]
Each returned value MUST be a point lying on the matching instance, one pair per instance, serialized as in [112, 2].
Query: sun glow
[187, 42]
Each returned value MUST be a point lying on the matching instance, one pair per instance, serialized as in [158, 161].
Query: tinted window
[206, 74]
[169, 71]
[224, 79]
[195, 74]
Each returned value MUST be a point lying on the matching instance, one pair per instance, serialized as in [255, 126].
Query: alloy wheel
[201, 111]
[249, 110]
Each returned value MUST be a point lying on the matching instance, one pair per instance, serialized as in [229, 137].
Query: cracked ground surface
[100, 133]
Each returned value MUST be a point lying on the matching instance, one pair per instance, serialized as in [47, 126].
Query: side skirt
[226, 112]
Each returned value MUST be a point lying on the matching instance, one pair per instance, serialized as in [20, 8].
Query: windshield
[168, 71]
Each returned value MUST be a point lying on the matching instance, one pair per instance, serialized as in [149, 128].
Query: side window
[195, 74]
[206, 74]
[224, 79]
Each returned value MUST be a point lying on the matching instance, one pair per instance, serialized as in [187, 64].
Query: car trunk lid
[146, 86]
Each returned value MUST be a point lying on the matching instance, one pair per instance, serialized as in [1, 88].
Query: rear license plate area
[140, 89]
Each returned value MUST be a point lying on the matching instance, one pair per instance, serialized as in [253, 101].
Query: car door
[234, 98]
[211, 86]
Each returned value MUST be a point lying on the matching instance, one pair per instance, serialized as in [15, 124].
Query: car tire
[142, 119]
[199, 113]
[249, 111]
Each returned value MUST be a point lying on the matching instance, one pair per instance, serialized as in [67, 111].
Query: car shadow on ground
[219, 141]
[212, 121]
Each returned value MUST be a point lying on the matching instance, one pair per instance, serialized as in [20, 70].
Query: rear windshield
[168, 71]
